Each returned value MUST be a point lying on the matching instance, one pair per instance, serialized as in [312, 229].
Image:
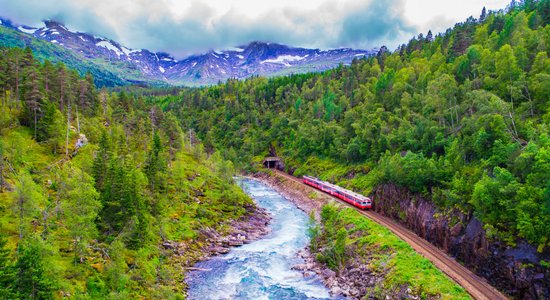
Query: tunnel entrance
[274, 162]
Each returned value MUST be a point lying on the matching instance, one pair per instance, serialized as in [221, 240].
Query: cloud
[379, 22]
[196, 26]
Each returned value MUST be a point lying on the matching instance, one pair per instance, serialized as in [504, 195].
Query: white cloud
[185, 27]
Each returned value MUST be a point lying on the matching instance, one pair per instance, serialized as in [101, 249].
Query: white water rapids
[261, 269]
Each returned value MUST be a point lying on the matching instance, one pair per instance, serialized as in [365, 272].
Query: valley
[118, 165]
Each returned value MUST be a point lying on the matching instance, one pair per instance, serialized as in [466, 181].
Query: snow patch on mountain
[27, 30]
[236, 49]
[253, 59]
[109, 46]
[129, 51]
[283, 59]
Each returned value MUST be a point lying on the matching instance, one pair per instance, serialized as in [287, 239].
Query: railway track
[477, 287]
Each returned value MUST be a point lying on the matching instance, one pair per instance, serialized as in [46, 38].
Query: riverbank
[368, 261]
[185, 254]
[307, 200]
[262, 269]
[351, 281]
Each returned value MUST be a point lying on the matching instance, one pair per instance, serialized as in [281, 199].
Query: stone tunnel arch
[274, 162]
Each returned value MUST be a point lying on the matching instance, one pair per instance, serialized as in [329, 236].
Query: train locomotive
[350, 197]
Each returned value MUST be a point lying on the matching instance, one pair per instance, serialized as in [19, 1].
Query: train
[350, 197]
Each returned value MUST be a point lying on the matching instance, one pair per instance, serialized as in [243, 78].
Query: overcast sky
[195, 26]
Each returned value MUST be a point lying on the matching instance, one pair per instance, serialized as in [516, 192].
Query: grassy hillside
[345, 239]
[92, 183]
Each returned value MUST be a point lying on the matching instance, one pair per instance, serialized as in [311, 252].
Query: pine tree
[28, 196]
[101, 161]
[429, 36]
[483, 15]
[48, 72]
[3, 76]
[6, 270]
[30, 281]
[80, 206]
[14, 78]
[32, 95]
[155, 163]
[1, 166]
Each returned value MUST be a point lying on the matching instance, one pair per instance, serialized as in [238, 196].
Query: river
[261, 269]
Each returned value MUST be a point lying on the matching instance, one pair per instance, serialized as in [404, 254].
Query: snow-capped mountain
[256, 58]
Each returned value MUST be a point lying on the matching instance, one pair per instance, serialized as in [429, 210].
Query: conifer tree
[33, 95]
[155, 163]
[1, 166]
[6, 270]
[101, 161]
[80, 206]
[483, 15]
[30, 281]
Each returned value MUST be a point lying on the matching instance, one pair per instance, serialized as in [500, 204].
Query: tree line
[462, 117]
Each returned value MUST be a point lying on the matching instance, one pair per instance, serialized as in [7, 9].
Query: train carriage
[352, 198]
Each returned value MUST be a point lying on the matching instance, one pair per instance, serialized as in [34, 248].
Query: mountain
[124, 65]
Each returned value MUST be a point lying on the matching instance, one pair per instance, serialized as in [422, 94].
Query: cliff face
[515, 270]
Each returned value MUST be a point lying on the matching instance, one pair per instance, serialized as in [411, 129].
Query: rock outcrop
[515, 270]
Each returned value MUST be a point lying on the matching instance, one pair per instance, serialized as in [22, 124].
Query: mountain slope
[451, 134]
[102, 200]
[119, 64]
[44, 50]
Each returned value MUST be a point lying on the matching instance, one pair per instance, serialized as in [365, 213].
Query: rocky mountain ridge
[131, 65]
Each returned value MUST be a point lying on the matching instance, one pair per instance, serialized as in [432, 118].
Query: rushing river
[261, 269]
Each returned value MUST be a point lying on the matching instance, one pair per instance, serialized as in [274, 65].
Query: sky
[189, 27]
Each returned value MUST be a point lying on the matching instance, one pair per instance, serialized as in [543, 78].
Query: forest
[461, 117]
[92, 182]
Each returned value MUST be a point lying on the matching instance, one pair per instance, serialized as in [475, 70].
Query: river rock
[328, 273]
[336, 291]
[309, 274]
[235, 243]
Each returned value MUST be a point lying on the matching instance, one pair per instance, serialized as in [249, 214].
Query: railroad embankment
[356, 257]
[514, 269]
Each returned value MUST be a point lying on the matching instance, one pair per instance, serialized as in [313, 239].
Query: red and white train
[350, 197]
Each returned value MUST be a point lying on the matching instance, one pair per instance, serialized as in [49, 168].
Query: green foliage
[30, 280]
[438, 116]
[7, 272]
[345, 236]
[80, 206]
[28, 197]
[88, 224]
[313, 232]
